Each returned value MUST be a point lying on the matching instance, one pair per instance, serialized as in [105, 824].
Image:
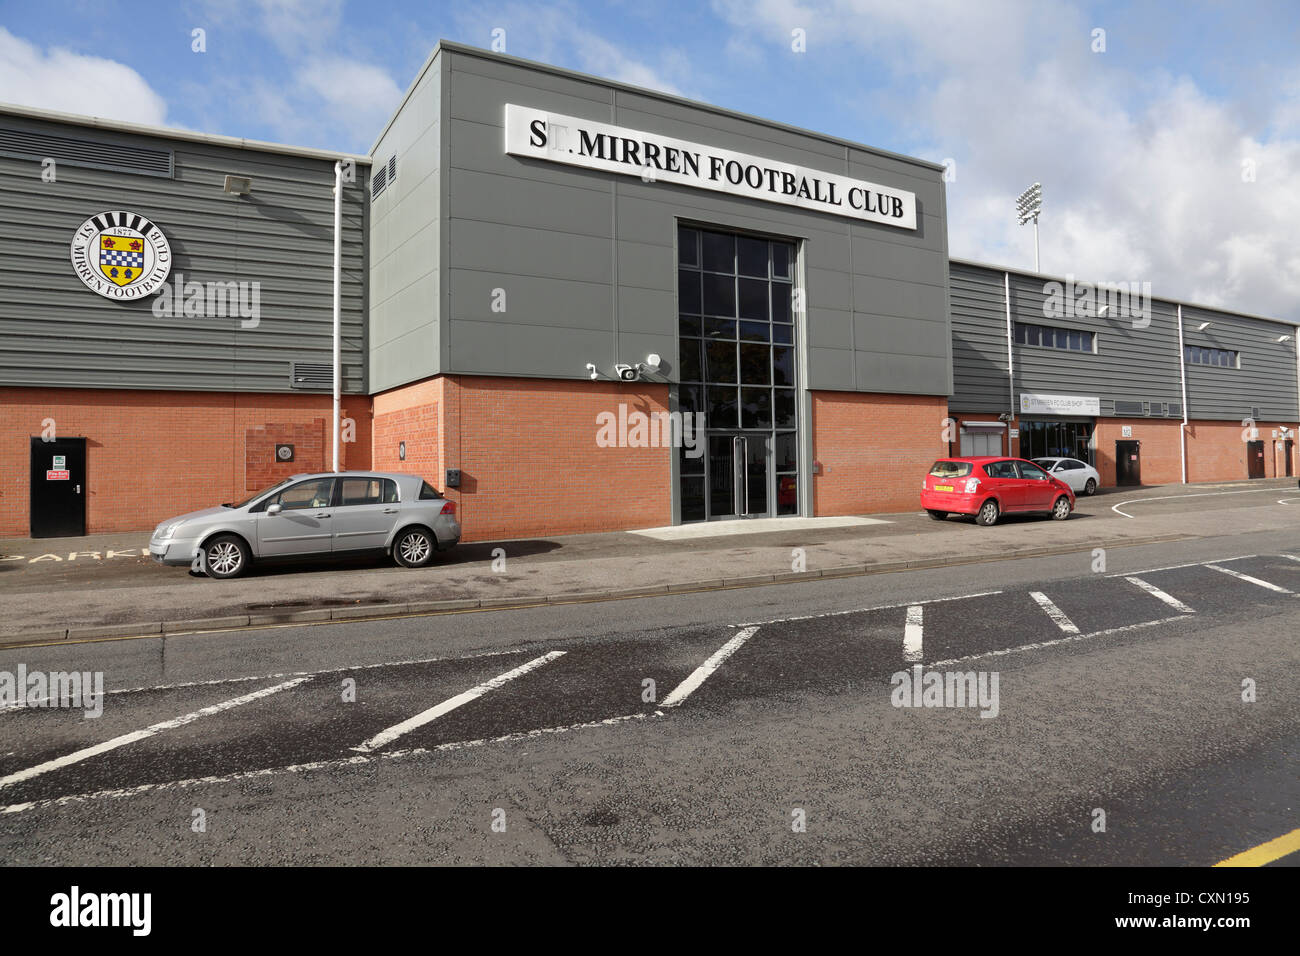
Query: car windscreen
[951, 469]
[251, 498]
[1048, 463]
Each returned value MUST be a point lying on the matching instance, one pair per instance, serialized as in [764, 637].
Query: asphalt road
[770, 734]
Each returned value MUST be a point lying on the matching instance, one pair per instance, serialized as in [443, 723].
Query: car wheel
[1091, 487]
[225, 556]
[936, 515]
[414, 548]
[988, 513]
[1061, 510]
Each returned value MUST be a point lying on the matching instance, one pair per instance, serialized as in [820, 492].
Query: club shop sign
[615, 149]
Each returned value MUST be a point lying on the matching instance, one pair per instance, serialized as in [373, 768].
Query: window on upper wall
[1219, 358]
[1052, 337]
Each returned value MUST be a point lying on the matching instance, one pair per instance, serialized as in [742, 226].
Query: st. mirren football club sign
[121, 255]
[615, 149]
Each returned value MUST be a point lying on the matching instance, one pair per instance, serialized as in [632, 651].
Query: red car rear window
[951, 469]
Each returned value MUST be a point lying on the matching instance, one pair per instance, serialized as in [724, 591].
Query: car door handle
[390, 511]
[323, 514]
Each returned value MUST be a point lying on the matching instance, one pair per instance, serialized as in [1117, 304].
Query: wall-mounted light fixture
[1203, 326]
[1284, 338]
[237, 185]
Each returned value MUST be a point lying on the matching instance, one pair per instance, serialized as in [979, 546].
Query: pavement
[105, 586]
[733, 726]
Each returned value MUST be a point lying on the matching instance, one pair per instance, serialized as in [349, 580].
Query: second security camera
[627, 373]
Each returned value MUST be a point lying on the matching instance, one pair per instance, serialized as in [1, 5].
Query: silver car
[317, 515]
[1079, 475]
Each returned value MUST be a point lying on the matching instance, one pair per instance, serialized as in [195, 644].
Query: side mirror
[273, 509]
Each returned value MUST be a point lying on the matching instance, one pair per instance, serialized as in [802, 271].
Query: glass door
[739, 476]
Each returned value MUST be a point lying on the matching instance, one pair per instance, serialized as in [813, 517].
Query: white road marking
[1155, 592]
[863, 610]
[137, 735]
[244, 680]
[1199, 494]
[913, 632]
[1176, 567]
[701, 673]
[386, 737]
[1055, 613]
[1290, 557]
[1058, 641]
[1283, 501]
[1247, 578]
[337, 763]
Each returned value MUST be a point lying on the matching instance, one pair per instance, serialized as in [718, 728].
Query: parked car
[313, 516]
[1079, 475]
[991, 487]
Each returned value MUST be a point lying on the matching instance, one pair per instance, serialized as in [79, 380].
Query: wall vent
[311, 375]
[378, 180]
[1254, 413]
[95, 154]
[1175, 410]
[1128, 409]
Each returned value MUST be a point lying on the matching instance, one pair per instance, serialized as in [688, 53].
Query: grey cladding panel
[55, 331]
[1266, 379]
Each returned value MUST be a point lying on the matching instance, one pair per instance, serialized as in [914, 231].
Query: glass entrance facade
[1056, 440]
[737, 348]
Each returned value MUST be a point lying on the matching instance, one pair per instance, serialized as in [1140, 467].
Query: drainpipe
[1182, 373]
[338, 215]
[1011, 372]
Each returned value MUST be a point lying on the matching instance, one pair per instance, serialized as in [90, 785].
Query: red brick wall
[1215, 450]
[311, 445]
[527, 451]
[155, 454]
[874, 450]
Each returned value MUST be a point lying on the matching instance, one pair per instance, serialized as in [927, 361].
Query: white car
[1079, 475]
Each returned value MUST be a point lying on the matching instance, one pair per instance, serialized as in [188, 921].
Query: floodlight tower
[1028, 205]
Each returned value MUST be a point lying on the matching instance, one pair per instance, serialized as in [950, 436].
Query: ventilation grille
[26, 144]
[1128, 409]
[311, 375]
[384, 176]
[1254, 413]
[1175, 409]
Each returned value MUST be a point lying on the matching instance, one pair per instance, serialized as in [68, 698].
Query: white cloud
[60, 79]
[1141, 171]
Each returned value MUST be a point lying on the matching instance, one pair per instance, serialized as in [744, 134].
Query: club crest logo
[121, 255]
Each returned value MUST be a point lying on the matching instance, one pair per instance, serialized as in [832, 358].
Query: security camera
[627, 373]
[591, 370]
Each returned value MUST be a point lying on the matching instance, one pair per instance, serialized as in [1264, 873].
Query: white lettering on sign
[662, 159]
[1032, 403]
[58, 475]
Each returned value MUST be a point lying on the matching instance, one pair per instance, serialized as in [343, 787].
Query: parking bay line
[1058, 616]
[1155, 592]
[913, 632]
[386, 737]
[702, 673]
[1039, 645]
[1248, 579]
[137, 735]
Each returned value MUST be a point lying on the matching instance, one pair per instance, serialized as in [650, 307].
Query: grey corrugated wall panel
[979, 341]
[1266, 379]
[1133, 363]
[56, 332]
[406, 281]
[587, 258]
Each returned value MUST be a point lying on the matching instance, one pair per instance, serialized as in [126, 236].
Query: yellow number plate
[943, 487]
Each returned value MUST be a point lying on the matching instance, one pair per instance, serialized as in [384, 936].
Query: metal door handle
[323, 515]
[390, 511]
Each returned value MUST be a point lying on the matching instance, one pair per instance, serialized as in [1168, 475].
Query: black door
[1290, 450]
[58, 488]
[1255, 459]
[1128, 463]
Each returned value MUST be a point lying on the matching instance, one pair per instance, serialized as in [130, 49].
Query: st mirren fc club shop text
[548, 281]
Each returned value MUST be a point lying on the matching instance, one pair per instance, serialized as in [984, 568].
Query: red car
[991, 487]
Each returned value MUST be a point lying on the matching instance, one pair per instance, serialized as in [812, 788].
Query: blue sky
[1143, 148]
